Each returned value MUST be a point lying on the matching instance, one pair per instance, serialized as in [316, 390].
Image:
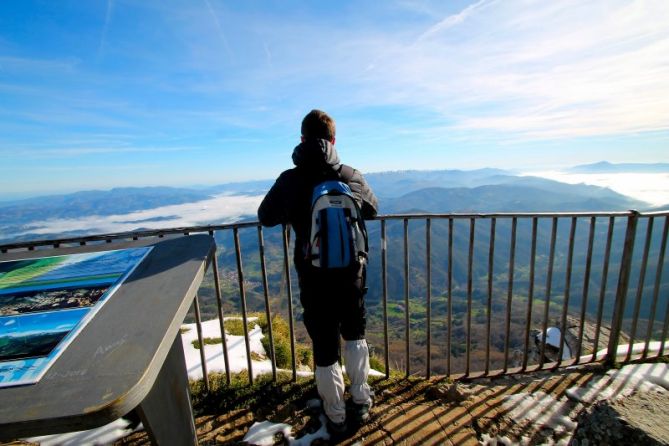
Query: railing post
[407, 317]
[621, 291]
[289, 293]
[242, 297]
[268, 313]
[221, 319]
[200, 338]
[384, 285]
[428, 266]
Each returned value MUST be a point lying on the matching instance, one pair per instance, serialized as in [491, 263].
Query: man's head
[318, 124]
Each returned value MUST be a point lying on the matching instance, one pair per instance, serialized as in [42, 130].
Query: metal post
[242, 296]
[621, 290]
[602, 288]
[384, 284]
[203, 359]
[656, 289]
[470, 267]
[549, 282]
[509, 297]
[491, 256]
[286, 264]
[268, 312]
[428, 266]
[530, 292]
[407, 319]
[586, 288]
[219, 302]
[567, 290]
[639, 288]
[450, 296]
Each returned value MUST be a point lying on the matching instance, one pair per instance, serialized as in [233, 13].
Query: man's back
[332, 299]
[289, 200]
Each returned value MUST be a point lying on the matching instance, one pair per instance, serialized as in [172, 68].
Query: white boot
[356, 357]
[330, 385]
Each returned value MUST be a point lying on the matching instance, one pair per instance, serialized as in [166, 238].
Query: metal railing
[473, 295]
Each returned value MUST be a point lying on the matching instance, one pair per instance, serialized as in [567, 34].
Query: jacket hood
[318, 153]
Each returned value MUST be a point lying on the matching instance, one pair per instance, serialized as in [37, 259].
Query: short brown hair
[318, 124]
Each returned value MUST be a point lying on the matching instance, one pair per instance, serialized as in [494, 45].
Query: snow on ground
[214, 352]
[215, 363]
[263, 434]
[102, 435]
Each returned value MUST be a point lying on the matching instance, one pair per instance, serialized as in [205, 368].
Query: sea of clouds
[220, 209]
[652, 188]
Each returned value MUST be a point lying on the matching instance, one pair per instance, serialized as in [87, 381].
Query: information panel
[45, 302]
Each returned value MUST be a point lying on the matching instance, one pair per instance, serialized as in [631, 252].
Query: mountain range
[437, 191]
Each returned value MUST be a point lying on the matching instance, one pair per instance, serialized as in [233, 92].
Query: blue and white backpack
[338, 237]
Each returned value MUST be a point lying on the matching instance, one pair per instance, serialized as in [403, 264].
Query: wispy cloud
[538, 71]
[105, 28]
[454, 19]
[219, 29]
[61, 152]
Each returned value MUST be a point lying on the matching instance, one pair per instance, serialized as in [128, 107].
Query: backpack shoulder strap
[346, 173]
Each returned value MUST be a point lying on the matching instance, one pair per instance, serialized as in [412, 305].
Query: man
[333, 299]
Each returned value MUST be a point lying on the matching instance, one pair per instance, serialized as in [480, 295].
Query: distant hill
[606, 167]
[115, 201]
[519, 194]
[438, 191]
[241, 188]
[398, 183]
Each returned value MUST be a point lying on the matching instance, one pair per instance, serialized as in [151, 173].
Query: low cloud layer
[217, 210]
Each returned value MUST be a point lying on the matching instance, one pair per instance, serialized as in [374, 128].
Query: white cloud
[220, 210]
[653, 188]
[535, 69]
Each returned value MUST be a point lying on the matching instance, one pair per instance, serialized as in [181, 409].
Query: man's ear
[302, 139]
[333, 140]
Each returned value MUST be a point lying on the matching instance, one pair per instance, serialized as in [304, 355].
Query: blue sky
[98, 94]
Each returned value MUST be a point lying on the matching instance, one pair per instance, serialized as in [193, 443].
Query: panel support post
[166, 412]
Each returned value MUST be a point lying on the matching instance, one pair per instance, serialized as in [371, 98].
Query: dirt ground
[416, 411]
[410, 412]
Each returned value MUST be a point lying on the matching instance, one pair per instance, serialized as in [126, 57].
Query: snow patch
[263, 434]
[106, 434]
[214, 352]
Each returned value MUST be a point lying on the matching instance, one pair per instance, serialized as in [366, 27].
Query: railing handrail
[108, 237]
[472, 232]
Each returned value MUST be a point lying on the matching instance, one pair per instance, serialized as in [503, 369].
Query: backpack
[338, 237]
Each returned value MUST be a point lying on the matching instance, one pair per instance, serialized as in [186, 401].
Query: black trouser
[334, 305]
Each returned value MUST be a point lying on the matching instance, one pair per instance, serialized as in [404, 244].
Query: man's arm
[370, 204]
[273, 210]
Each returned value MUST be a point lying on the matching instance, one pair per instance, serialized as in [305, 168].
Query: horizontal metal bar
[134, 235]
[460, 215]
[130, 235]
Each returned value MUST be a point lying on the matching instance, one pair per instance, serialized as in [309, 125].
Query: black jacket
[289, 199]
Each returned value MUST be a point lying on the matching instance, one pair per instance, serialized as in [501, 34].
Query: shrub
[235, 327]
[376, 363]
[207, 341]
[281, 335]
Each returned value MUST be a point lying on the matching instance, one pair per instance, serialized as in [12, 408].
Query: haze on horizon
[95, 95]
